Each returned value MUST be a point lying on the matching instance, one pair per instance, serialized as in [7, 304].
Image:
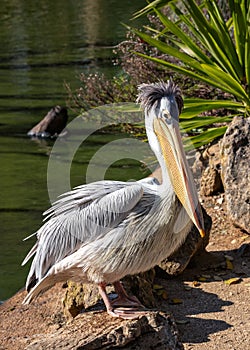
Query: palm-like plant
[209, 48]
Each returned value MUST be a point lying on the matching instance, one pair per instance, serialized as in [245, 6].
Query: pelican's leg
[123, 298]
[104, 295]
[122, 313]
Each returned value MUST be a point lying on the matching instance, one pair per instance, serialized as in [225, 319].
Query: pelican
[100, 232]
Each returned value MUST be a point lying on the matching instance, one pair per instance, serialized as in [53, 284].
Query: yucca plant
[209, 48]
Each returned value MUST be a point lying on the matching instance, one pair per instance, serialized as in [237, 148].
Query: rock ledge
[155, 330]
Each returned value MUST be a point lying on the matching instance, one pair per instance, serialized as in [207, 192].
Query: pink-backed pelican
[100, 232]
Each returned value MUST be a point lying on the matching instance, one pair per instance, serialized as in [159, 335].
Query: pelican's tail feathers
[45, 283]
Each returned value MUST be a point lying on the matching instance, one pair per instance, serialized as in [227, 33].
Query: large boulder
[235, 171]
[52, 124]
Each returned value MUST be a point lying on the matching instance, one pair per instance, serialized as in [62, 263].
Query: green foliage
[209, 48]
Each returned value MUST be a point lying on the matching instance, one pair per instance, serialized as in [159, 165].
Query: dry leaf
[160, 291]
[243, 238]
[233, 280]
[196, 284]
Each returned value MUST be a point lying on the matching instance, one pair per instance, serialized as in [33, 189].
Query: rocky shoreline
[214, 284]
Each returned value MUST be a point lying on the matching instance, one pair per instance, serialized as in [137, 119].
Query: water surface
[42, 45]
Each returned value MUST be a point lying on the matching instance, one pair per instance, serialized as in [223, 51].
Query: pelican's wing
[80, 216]
[83, 196]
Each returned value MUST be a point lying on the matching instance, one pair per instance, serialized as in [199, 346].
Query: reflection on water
[43, 44]
[46, 43]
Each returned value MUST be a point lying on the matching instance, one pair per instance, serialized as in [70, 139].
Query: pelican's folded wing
[82, 215]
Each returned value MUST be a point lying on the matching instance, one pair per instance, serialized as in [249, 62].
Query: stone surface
[79, 296]
[208, 168]
[194, 244]
[211, 182]
[52, 124]
[41, 325]
[155, 330]
[235, 169]
[141, 286]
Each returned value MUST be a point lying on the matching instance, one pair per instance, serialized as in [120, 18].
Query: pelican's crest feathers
[150, 94]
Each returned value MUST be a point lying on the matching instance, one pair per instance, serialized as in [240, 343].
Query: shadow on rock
[189, 297]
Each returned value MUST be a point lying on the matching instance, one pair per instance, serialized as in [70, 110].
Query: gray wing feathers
[83, 196]
[30, 254]
[79, 217]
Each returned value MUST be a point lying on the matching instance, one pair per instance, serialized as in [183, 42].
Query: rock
[52, 124]
[194, 244]
[80, 296]
[235, 162]
[141, 286]
[41, 325]
[155, 330]
[210, 167]
[199, 165]
[211, 182]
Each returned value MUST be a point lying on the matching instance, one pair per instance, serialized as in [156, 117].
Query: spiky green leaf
[204, 138]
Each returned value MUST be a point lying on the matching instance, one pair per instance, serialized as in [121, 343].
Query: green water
[42, 45]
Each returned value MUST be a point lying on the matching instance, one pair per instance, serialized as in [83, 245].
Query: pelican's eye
[166, 116]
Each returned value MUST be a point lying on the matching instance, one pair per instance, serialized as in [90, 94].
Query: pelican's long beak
[168, 134]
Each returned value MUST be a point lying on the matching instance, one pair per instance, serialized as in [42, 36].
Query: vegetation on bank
[204, 45]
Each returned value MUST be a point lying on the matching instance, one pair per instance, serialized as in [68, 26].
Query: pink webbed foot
[124, 300]
[124, 306]
[126, 313]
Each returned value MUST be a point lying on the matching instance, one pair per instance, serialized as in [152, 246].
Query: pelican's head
[163, 103]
